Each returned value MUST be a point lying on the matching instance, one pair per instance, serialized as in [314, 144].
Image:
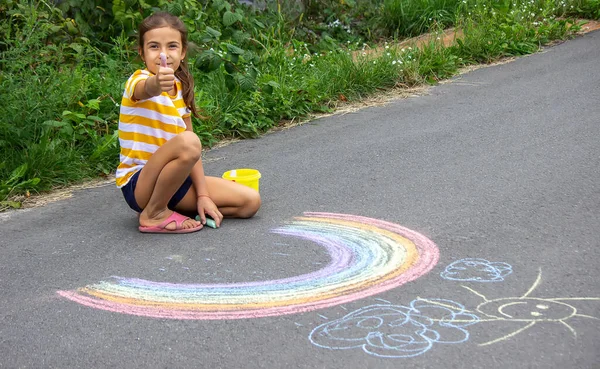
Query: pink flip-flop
[175, 217]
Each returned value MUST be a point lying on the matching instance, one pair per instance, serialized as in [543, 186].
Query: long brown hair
[164, 19]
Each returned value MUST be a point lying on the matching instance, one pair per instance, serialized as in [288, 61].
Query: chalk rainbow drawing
[368, 256]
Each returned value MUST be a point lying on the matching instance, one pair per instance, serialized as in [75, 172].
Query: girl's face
[162, 40]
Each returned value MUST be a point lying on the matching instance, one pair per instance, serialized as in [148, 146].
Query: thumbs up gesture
[162, 81]
[165, 76]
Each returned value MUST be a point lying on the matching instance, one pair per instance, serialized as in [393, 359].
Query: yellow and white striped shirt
[145, 125]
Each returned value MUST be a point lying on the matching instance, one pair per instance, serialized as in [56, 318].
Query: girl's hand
[207, 207]
[165, 76]
[162, 81]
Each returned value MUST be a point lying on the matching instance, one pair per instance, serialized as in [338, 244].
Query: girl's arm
[147, 88]
[205, 204]
[154, 85]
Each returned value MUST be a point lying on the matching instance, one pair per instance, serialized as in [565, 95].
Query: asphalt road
[453, 230]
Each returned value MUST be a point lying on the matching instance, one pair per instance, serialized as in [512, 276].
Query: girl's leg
[162, 175]
[233, 199]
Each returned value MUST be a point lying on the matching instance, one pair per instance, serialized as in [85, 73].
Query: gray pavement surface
[501, 165]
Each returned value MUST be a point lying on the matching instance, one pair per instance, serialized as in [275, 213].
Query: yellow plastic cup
[247, 177]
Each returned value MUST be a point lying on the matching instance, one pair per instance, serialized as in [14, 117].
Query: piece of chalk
[209, 221]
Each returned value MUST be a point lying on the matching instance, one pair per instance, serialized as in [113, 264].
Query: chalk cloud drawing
[476, 270]
[367, 256]
[396, 331]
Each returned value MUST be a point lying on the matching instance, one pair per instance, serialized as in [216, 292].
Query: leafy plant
[75, 126]
[589, 9]
[13, 183]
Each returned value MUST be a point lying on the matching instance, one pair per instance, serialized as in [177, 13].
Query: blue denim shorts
[129, 190]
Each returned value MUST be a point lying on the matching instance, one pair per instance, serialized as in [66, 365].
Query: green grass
[61, 90]
[414, 17]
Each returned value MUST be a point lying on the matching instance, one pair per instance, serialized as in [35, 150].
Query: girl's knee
[251, 205]
[190, 145]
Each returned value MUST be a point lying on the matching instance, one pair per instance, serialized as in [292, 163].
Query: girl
[161, 171]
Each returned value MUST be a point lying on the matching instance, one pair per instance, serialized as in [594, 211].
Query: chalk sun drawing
[396, 331]
[368, 256]
[476, 270]
[527, 310]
